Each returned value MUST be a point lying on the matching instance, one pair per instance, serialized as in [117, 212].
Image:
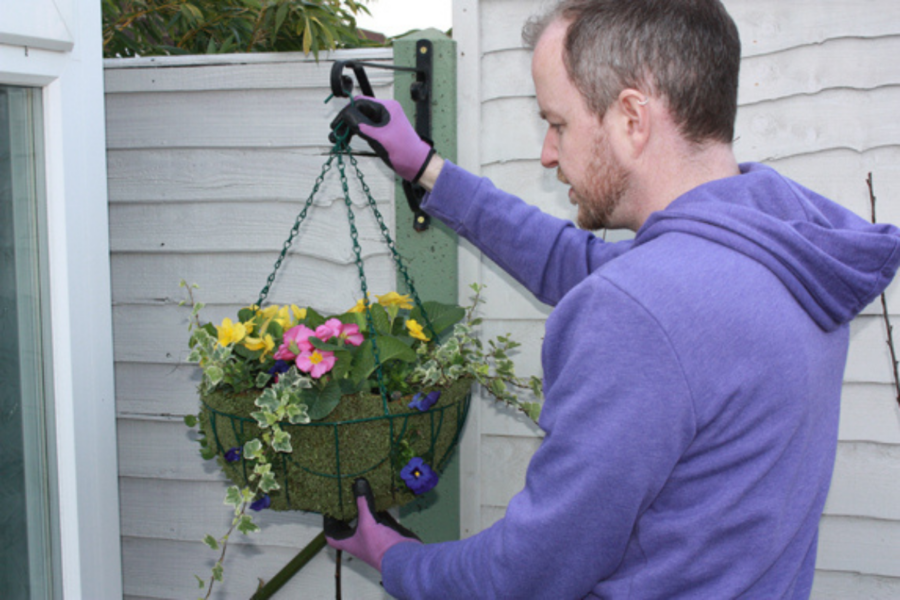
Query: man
[692, 376]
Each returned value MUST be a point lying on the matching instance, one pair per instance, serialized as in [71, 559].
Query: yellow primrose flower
[359, 308]
[269, 311]
[266, 344]
[415, 330]
[283, 317]
[231, 333]
[299, 313]
[395, 299]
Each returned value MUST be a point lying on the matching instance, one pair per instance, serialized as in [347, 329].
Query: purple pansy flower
[419, 477]
[261, 503]
[281, 366]
[234, 454]
[424, 402]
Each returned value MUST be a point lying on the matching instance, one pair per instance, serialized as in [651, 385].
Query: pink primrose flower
[350, 334]
[298, 337]
[316, 362]
[331, 328]
[346, 333]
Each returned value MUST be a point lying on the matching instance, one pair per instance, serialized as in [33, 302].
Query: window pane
[27, 476]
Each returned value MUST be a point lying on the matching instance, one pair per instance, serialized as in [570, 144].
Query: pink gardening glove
[384, 125]
[374, 533]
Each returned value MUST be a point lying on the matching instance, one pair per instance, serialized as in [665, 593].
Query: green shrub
[169, 27]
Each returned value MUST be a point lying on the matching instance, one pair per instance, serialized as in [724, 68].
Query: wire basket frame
[327, 456]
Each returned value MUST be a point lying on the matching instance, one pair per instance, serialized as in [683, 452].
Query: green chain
[398, 260]
[342, 147]
[357, 251]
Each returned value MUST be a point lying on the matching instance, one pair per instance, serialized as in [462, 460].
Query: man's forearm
[430, 175]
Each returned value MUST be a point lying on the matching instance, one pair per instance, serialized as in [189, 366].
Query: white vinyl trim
[62, 55]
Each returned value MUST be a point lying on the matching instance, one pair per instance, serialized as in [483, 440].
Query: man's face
[576, 142]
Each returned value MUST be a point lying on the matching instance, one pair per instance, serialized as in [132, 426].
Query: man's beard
[607, 182]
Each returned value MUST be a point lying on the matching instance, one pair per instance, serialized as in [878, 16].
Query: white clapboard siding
[210, 161]
[147, 513]
[156, 389]
[841, 585]
[216, 72]
[300, 280]
[155, 569]
[229, 174]
[236, 226]
[818, 97]
[869, 472]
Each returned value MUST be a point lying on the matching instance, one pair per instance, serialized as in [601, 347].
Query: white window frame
[56, 45]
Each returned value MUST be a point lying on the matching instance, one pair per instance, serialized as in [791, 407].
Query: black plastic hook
[419, 91]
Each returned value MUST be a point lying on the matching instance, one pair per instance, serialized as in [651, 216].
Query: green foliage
[440, 315]
[169, 27]
[463, 354]
[323, 401]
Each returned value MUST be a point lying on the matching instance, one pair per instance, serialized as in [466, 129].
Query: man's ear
[635, 118]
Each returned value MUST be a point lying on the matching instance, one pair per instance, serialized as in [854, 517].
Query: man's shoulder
[675, 260]
[679, 278]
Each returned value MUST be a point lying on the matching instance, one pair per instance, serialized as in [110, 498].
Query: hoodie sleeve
[617, 415]
[549, 256]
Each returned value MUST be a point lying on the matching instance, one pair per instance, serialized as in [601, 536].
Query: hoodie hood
[832, 261]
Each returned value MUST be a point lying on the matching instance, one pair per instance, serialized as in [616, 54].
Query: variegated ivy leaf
[297, 414]
[281, 441]
[211, 542]
[262, 379]
[215, 374]
[261, 419]
[246, 525]
[293, 379]
[233, 496]
[268, 400]
[253, 450]
[267, 483]
[217, 571]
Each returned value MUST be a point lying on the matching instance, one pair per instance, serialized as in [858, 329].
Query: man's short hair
[687, 52]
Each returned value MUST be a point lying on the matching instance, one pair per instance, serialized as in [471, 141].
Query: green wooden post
[431, 255]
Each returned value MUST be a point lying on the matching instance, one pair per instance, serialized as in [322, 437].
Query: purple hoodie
[692, 380]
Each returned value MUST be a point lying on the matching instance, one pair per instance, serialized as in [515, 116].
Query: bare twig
[884, 307]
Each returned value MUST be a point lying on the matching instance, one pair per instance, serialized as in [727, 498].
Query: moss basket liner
[357, 440]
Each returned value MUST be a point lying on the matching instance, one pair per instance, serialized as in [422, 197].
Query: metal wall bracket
[420, 93]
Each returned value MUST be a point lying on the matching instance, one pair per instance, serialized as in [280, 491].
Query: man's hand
[383, 124]
[374, 533]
